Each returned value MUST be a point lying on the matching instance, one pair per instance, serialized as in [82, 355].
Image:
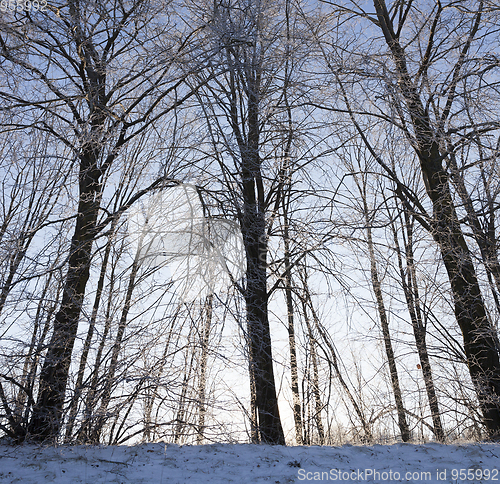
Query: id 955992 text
[23, 6]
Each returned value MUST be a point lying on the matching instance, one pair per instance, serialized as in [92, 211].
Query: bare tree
[423, 95]
[239, 101]
[95, 77]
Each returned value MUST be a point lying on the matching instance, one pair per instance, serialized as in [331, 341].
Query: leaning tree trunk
[46, 421]
[47, 415]
[109, 382]
[331, 357]
[480, 338]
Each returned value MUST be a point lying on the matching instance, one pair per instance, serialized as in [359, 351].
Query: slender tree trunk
[287, 185]
[15, 260]
[485, 238]
[297, 412]
[85, 430]
[117, 346]
[29, 361]
[419, 330]
[315, 381]
[410, 289]
[377, 289]
[183, 398]
[306, 403]
[152, 391]
[203, 369]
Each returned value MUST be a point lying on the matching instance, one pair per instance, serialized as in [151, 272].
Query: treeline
[339, 168]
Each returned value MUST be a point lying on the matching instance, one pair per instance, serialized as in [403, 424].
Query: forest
[249, 221]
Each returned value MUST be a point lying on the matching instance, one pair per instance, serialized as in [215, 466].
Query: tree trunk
[73, 408]
[253, 228]
[377, 289]
[25, 392]
[260, 353]
[203, 369]
[332, 358]
[315, 380]
[254, 418]
[117, 346]
[85, 430]
[184, 399]
[259, 335]
[485, 238]
[297, 412]
[46, 421]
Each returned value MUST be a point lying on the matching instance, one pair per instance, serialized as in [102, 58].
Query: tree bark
[260, 353]
[253, 229]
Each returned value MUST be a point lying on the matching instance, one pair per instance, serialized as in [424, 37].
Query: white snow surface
[244, 463]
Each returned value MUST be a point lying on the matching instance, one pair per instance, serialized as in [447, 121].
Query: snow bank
[241, 464]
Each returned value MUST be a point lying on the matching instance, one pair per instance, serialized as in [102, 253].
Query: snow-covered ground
[225, 463]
